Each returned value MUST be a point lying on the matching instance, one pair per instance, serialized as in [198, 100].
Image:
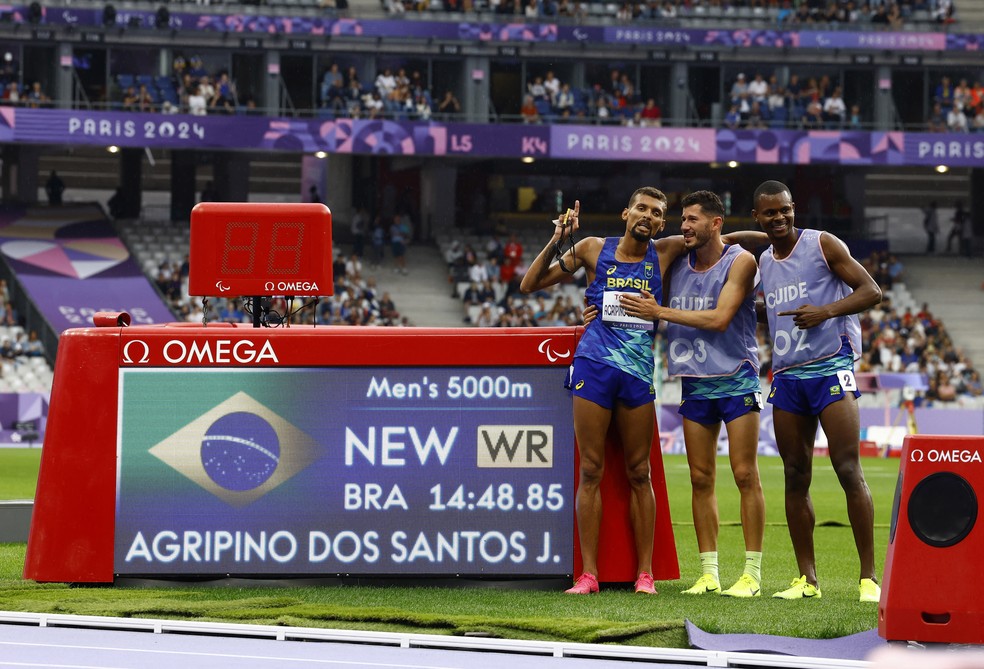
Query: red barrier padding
[930, 591]
[72, 524]
[616, 542]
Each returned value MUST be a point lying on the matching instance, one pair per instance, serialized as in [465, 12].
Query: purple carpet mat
[853, 647]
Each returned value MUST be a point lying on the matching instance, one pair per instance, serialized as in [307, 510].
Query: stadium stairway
[423, 295]
[953, 286]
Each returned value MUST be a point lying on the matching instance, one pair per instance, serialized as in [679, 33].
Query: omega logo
[935, 455]
[128, 357]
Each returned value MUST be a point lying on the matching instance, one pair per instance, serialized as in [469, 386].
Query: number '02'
[240, 244]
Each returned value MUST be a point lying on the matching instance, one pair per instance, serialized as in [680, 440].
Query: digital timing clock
[260, 249]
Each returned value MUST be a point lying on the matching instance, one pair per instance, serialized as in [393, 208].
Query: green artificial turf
[614, 616]
[19, 472]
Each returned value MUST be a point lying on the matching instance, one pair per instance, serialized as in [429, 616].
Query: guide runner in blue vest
[711, 322]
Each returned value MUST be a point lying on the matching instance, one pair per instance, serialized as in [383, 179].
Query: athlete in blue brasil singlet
[617, 340]
[612, 375]
[813, 292]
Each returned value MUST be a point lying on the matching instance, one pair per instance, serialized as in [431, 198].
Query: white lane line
[277, 658]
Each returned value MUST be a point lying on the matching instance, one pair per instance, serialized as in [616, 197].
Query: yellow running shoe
[870, 591]
[799, 589]
[705, 584]
[745, 586]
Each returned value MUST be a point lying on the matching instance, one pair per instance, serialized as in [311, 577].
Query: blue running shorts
[809, 397]
[723, 409]
[604, 385]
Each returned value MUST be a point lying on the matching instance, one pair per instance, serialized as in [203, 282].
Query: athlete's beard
[640, 236]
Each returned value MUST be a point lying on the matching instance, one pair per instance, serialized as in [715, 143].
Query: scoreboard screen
[341, 470]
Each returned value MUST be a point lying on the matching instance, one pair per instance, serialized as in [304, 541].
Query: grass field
[19, 472]
[613, 616]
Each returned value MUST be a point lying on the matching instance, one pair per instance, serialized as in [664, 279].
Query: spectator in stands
[961, 94]
[943, 95]
[372, 105]
[614, 82]
[33, 347]
[207, 90]
[353, 98]
[978, 122]
[36, 97]
[880, 19]
[733, 118]
[739, 89]
[448, 106]
[777, 94]
[385, 83]
[353, 267]
[197, 104]
[537, 90]
[552, 84]
[937, 119]
[130, 99]
[652, 115]
[564, 101]
[145, 102]
[11, 94]
[225, 94]
[529, 111]
[758, 89]
[332, 87]
[603, 112]
[834, 110]
[854, 121]
[956, 119]
[186, 88]
[977, 96]
[400, 234]
[943, 11]
[755, 120]
[512, 257]
[960, 220]
[813, 116]
[54, 187]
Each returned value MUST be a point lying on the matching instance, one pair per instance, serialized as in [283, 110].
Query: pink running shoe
[586, 584]
[645, 585]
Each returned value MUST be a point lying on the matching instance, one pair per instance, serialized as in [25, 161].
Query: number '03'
[240, 248]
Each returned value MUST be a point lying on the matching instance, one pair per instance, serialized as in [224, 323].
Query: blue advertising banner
[955, 149]
[563, 141]
[289, 471]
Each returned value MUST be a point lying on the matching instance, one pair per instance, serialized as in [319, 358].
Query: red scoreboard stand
[189, 450]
